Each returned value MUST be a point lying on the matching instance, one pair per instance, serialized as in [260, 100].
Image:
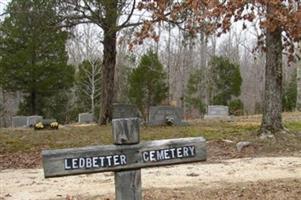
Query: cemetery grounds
[263, 170]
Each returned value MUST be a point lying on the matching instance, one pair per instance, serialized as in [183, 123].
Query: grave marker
[121, 110]
[32, 120]
[85, 118]
[159, 115]
[19, 121]
[217, 112]
[126, 157]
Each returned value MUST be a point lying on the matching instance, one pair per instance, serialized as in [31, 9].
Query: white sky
[247, 37]
[3, 4]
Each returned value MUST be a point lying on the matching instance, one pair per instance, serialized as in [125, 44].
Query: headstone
[125, 111]
[217, 112]
[126, 157]
[19, 122]
[32, 120]
[85, 118]
[162, 115]
[48, 121]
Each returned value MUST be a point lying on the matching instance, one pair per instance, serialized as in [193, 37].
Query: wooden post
[127, 183]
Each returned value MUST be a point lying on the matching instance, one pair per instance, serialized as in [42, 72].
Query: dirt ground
[288, 189]
[245, 178]
[265, 170]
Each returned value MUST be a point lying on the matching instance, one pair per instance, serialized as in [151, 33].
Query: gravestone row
[25, 121]
[158, 115]
[119, 111]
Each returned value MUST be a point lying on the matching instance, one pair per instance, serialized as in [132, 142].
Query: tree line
[278, 23]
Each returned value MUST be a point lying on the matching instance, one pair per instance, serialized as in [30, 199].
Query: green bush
[236, 107]
[289, 96]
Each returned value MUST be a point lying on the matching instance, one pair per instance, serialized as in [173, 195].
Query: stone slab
[32, 120]
[85, 118]
[19, 121]
[160, 115]
[121, 110]
[218, 110]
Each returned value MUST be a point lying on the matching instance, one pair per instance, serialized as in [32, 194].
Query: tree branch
[130, 15]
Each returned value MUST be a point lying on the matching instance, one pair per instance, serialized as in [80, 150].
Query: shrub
[236, 107]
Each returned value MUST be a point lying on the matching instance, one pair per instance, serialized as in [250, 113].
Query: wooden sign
[117, 157]
[126, 157]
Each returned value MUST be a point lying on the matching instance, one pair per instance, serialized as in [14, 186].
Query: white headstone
[19, 121]
[217, 112]
[85, 118]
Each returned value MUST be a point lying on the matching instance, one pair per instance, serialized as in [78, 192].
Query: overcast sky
[247, 35]
[3, 3]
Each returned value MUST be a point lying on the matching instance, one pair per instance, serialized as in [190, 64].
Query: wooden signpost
[126, 157]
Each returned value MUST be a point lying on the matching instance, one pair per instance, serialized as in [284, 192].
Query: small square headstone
[217, 112]
[32, 120]
[125, 111]
[19, 121]
[85, 118]
[162, 115]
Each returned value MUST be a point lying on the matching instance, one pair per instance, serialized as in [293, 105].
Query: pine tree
[147, 83]
[226, 80]
[33, 56]
[193, 97]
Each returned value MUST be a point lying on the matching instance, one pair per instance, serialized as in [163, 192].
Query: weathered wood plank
[123, 157]
[126, 131]
[127, 183]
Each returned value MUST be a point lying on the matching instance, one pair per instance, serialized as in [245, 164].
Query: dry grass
[29, 140]
[22, 147]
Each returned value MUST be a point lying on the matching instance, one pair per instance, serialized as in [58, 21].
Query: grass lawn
[14, 140]
[25, 142]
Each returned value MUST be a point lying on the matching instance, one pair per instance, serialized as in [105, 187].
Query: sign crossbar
[126, 157]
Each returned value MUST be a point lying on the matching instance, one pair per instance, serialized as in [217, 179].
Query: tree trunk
[109, 62]
[92, 96]
[272, 109]
[33, 103]
[298, 103]
[2, 108]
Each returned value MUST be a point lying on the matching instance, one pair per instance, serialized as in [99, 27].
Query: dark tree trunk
[33, 103]
[272, 109]
[109, 62]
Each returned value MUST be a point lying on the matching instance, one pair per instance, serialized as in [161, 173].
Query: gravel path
[29, 184]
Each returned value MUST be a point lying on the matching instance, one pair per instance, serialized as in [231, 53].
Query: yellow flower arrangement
[54, 125]
[39, 125]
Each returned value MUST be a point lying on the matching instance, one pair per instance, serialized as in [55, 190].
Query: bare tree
[84, 50]
[111, 17]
